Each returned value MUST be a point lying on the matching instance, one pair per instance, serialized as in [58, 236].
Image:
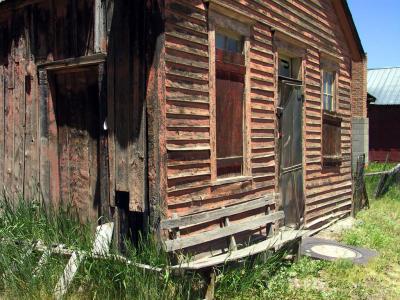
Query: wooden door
[291, 154]
[77, 117]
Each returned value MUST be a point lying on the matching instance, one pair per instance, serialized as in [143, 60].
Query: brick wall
[360, 122]
[359, 88]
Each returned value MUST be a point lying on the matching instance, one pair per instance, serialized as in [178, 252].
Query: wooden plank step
[209, 216]
[277, 241]
[101, 246]
[203, 237]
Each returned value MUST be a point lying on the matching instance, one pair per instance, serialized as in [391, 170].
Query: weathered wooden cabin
[213, 122]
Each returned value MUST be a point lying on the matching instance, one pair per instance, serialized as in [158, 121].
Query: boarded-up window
[230, 80]
[331, 139]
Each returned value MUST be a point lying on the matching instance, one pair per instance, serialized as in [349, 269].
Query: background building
[384, 114]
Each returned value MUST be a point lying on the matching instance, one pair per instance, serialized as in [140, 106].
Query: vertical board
[53, 142]
[2, 98]
[31, 176]
[78, 141]
[137, 115]
[110, 121]
[44, 137]
[104, 168]
[123, 94]
[93, 141]
[63, 137]
[63, 33]
[18, 124]
[126, 105]
[155, 95]
[85, 27]
[8, 132]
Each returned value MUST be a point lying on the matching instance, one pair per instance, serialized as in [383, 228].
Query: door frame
[49, 174]
[298, 83]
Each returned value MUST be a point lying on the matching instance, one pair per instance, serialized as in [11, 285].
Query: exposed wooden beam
[204, 237]
[73, 62]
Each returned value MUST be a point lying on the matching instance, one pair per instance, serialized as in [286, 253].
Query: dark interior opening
[75, 99]
[130, 224]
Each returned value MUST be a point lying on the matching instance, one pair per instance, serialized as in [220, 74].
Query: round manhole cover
[334, 251]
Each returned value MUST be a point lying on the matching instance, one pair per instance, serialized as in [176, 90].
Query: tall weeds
[25, 222]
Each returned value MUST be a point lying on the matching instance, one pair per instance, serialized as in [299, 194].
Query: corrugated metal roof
[384, 84]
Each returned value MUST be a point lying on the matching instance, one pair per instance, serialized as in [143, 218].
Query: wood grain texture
[2, 126]
[184, 242]
[160, 88]
[209, 216]
[312, 30]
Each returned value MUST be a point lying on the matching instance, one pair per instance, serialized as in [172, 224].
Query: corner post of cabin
[156, 116]
[44, 137]
[103, 145]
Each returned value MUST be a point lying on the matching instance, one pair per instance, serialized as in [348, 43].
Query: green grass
[268, 277]
[377, 228]
[96, 279]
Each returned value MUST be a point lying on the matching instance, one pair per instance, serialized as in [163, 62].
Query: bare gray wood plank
[277, 241]
[101, 246]
[252, 224]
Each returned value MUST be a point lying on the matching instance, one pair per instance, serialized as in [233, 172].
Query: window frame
[229, 25]
[330, 117]
[333, 93]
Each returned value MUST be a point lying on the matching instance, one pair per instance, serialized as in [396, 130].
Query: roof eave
[350, 31]
[354, 28]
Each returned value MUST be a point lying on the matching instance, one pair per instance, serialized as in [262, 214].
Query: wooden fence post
[360, 196]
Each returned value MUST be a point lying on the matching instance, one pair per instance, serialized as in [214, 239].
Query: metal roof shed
[384, 84]
[383, 114]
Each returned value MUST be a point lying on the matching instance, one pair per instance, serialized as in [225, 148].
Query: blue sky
[378, 24]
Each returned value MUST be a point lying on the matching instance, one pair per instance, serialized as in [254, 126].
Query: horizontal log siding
[187, 102]
[188, 136]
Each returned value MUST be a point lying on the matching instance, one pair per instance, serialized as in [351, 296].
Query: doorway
[78, 135]
[291, 151]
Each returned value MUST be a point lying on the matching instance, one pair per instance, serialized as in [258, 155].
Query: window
[331, 121]
[289, 67]
[331, 139]
[230, 74]
[230, 44]
[328, 84]
[285, 68]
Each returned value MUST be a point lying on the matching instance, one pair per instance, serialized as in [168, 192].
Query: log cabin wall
[169, 69]
[312, 26]
[31, 35]
[115, 41]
